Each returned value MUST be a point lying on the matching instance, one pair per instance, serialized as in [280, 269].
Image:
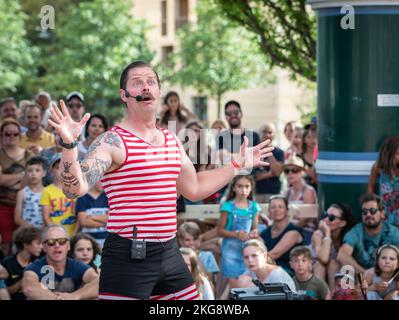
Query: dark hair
[386, 156]
[377, 268]
[297, 251]
[304, 134]
[25, 235]
[281, 197]
[346, 215]
[134, 65]
[179, 113]
[84, 236]
[6, 100]
[36, 160]
[367, 197]
[231, 195]
[103, 120]
[232, 102]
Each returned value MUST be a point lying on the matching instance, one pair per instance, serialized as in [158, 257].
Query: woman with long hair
[95, 126]
[327, 240]
[309, 144]
[385, 173]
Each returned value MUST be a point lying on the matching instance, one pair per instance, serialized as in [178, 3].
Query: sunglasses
[60, 241]
[330, 217]
[232, 113]
[11, 134]
[75, 105]
[365, 211]
[292, 170]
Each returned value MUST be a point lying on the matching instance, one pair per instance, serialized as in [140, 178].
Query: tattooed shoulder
[112, 139]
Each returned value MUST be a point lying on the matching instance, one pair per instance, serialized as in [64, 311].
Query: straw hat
[294, 161]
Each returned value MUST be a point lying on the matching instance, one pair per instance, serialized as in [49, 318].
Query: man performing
[142, 169]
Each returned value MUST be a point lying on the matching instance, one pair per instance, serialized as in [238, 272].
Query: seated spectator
[345, 287]
[92, 212]
[305, 280]
[299, 192]
[203, 285]
[283, 235]
[327, 240]
[95, 126]
[382, 281]
[28, 243]
[57, 277]
[188, 236]
[261, 267]
[57, 207]
[85, 248]
[27, 209]
[36, 138]
[268, 177]
[361, 242]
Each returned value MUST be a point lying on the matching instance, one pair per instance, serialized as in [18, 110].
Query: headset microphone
[138, 98]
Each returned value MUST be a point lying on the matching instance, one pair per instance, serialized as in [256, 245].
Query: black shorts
[162, 272]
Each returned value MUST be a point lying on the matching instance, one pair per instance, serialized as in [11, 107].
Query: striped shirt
[142, 192]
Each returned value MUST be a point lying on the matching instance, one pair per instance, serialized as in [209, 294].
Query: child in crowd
[57, 208]
[305, 281]
[385, 172]
[382, 281]
[86, 249]
[345, 287]
[204, 287]
[27, 209]
[238, 223]
[92, 211]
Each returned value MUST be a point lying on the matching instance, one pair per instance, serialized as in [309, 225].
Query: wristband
[68, 145]
[235, 164]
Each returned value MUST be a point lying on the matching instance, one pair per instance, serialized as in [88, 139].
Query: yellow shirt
[46, 140]
[62, 209]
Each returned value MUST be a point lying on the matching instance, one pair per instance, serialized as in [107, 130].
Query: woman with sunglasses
[12, 166]
[299, 192]
[327, 239]
[382, 281]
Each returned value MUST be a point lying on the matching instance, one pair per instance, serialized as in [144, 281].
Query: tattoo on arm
[68, 180]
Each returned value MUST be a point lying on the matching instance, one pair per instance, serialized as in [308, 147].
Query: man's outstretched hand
[63, 124]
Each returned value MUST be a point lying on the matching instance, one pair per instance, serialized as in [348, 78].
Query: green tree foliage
[215, 56]
[16, 54]
[285, 31]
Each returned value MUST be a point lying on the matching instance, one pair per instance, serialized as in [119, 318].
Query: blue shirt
[208, 261]
[227, 206]
[70, 281]
[365, 246]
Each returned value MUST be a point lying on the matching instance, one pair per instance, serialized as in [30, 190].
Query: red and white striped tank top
[142, 192]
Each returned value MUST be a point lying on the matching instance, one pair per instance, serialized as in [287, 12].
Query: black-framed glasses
[292, 170]
[373, 211]
[60, 241]
[330, 217]
[233, 113]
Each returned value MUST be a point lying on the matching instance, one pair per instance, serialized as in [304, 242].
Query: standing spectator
[203, 285]
[23, 104]
[283, 235]
[86, 249]
[92, 212]
[76, 105]
[8, 109]
[327, 240]
[57, 208]
[36, 138]
[95, 126]
[12, 166]
[382, 281]
[63, 278]
[268, 178]
[228, 142]
[28, 243]
[305, 281]
[385, 173]
[296, 142]
[216, 127]
[309, 145]
[175, 113]
[289, 132]
[27, 209]
[237, 224]
[43, 99]
[262, 267]
[361, 242]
